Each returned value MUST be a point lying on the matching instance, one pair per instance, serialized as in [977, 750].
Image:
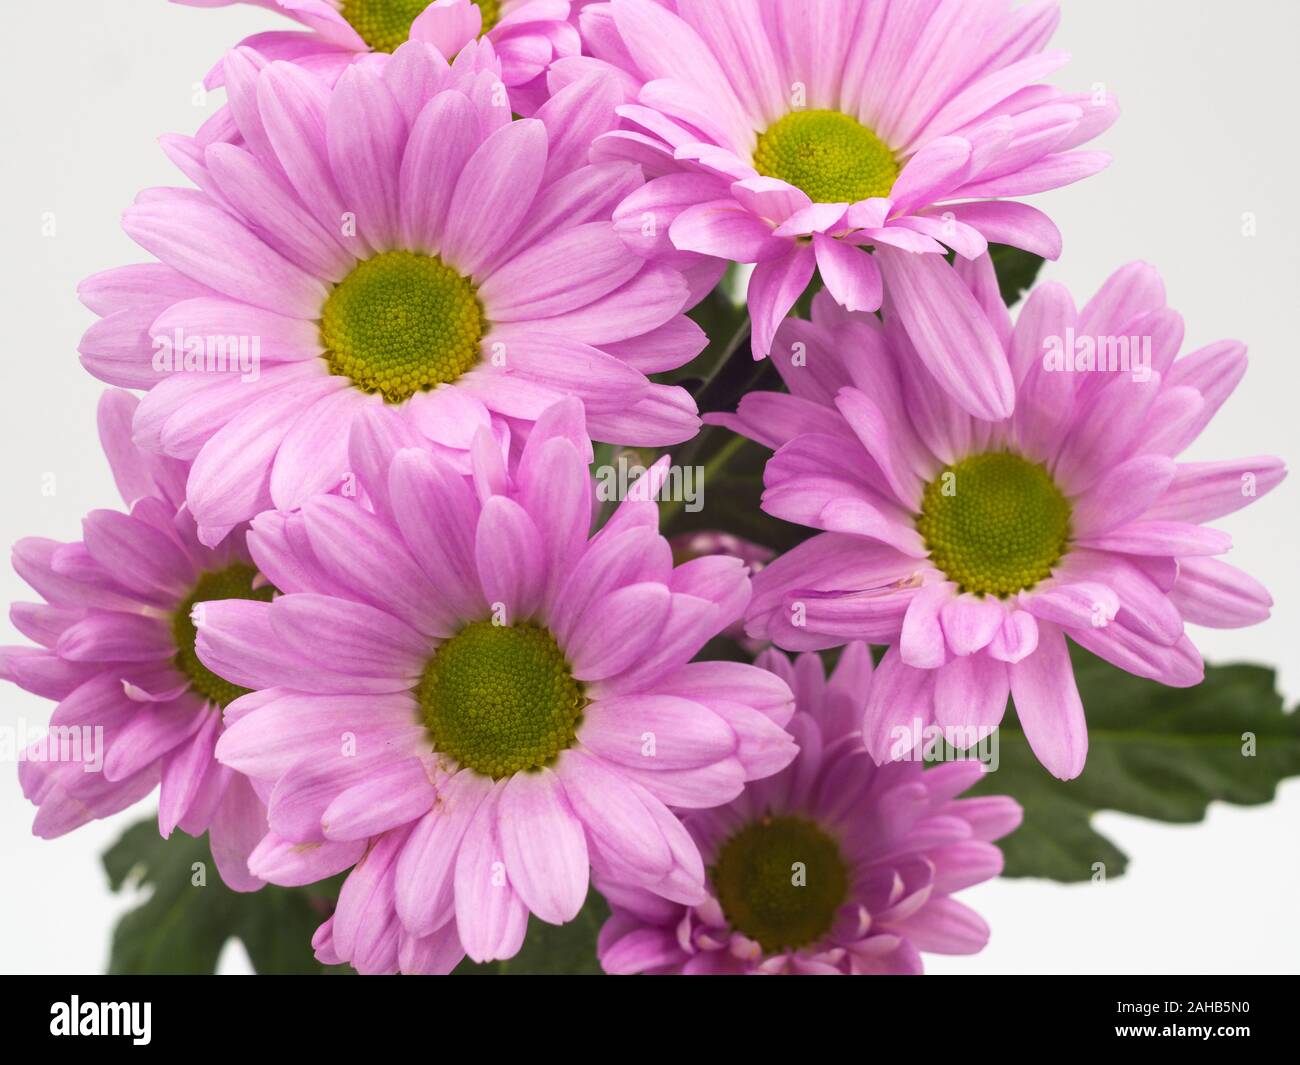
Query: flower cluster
[364, 612]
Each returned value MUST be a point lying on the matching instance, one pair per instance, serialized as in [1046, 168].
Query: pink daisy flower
[975, 548]
[472, 701]
[528, 35]
[136, 707]
[388, 242]
[798, 135]
[835, 866]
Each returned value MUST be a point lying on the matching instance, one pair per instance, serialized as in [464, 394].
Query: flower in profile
[115, 638]
[974, 548]
[474, 702]
[395, 241]
[798, 136]
[528, 35]
[835, 866]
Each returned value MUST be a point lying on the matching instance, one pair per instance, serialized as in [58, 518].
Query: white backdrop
[1206, 137]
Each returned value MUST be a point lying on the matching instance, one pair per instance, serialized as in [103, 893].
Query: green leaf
[1155, 752]
[190, 914]
[1016, 271]
[552, 950]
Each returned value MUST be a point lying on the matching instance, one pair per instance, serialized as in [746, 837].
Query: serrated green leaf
[1016, 270]
[552, 950]
[1155, 752]
[182, 926]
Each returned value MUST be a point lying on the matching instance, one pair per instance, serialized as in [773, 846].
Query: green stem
[669, 510]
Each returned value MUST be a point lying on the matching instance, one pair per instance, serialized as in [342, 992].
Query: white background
[1208, 134]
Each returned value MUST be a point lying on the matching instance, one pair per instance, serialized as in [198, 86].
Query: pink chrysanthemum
[835, 866]
[528, 35]
[473, 702]
[976, 547]
[136, 706]
[390, 241]
[797, 135]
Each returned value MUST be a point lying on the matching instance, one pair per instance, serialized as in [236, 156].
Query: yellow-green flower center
[780, 881]
[236, 582]
[402, 323]
[385, 25]
[829, 155]
[995, 523]
[500, 699]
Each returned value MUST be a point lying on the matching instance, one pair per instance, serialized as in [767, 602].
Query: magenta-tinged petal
[616, 820]
[346, 540]
[923, 645]
[493, 194]
[183, 770]
[136, 473]
[302, 725]
[1174, 538]
[237, 829]
[1048, 705]
[726, 230]
[946, 926]
[203, 242]
[618, 631]
[1124, 493]
[641, 950]
[111, 637]
[491, 919]
[773, 290]
[951, 334]
[970, 697]
[435, 512]
[1073, 605]
[269, 204]
[144, 558]
[150, 732]
[426, 869]
[1212, 593]
[364, 926]
[394, 795]
[558, 366]
[852, 276]
[433, 955]
[313, 457]
[899, 707]
[508, 548]
[1006, 222]
[278, 337]
[562, 273]
[443, 138]
[236, 641]
[365, 134]
[348, 637]
[544, 846]
[230, 480]
[970, 622]
[931, 174]
[657, 732]
[1204, 491]
[448, 27]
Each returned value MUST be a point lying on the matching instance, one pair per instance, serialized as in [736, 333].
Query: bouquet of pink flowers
[589, 503]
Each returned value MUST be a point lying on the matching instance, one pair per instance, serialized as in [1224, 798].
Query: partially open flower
[835, 866]
[528, 35]
[116, 649]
